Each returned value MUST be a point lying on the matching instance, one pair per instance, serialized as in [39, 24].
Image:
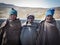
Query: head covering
[13, 12]
[30, 16]
[50, 12]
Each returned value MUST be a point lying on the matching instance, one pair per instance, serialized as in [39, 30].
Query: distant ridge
[23, 12]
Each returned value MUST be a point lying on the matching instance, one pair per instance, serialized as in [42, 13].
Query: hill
[23, 12]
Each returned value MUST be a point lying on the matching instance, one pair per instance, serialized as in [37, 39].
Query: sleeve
[2, 31]
[2, 26]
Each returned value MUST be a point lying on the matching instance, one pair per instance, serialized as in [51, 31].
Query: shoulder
[42, 22]
[17, 20]
[4, 24]
[36, 24]
[23, 24]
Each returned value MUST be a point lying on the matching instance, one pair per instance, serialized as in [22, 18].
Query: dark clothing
[1, 38]
[11, 31]
[29, 34]
[48, 34]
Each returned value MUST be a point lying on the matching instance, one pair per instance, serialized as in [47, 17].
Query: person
[29, 31]
[48, 33]
[11, 29]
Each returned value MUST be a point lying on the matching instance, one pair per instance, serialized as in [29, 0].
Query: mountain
[6, 5]
[23, 12]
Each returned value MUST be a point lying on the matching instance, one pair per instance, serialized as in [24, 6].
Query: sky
[33, 3]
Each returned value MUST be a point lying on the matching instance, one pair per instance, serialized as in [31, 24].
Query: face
[49, 18]
[30, 19]
[13, 17]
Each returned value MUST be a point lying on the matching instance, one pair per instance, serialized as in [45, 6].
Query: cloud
[33, 3]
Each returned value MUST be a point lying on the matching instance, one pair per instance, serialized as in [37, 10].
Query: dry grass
[39, 13]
